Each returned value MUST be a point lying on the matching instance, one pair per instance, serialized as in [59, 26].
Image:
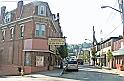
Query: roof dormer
[7, 17]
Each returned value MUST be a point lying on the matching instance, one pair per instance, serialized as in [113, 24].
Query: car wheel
[76, 70]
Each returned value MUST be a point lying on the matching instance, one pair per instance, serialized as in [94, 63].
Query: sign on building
[56, 41]
[39, 60]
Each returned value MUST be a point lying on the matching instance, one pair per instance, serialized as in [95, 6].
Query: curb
[121, 75]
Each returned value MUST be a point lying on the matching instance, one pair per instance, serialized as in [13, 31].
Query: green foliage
[85, 56]
[94, 52]
[63, 51]
[73, 47]
[109, 55]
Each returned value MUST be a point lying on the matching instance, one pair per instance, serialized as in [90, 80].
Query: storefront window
[27, 59]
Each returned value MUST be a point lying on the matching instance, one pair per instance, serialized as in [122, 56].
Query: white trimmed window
[40, 30]
[11, 32]
[21, 30]
[3, 34]
[41, 10]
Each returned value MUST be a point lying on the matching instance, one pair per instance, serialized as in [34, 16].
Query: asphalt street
[85, 73]
[92, 74]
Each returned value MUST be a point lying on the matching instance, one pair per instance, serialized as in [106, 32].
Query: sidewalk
[52, 73]
[113, 71]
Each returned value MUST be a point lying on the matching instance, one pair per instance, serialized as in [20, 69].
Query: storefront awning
[119, 52]
[45, 51]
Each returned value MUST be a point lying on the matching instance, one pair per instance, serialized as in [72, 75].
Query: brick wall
[9, 70]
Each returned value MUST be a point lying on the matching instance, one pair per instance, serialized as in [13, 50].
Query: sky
[77, 18]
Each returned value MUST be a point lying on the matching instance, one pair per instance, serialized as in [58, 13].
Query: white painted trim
[24, 22]
[22, 25]
[40, 23]
[39, 10]
[12, 27]
[17, 21]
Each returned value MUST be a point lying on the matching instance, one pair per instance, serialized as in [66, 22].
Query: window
[41, 10]
[3, 34]
[39, 60]
[40, 30]
[22, 30]
[109, 43]
[11, 33]
[27, 59]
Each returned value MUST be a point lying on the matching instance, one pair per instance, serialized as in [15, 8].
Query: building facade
[118, 53]
[24, 34]
[103, 48]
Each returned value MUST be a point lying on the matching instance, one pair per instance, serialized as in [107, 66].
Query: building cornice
[18, 20]
[28, 19]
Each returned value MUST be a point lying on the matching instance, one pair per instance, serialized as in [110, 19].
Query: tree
[86, 56]
[63, 51]
[94, 55]
[109, 56]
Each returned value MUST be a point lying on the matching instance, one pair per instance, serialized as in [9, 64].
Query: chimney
[54, 17]
[19, 9]
[3, 11]
[58, 17]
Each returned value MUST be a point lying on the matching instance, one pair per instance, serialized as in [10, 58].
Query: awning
[45, 51]
[119, 52]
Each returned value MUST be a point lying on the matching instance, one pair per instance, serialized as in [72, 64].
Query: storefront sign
[39, 60]
[56, 41]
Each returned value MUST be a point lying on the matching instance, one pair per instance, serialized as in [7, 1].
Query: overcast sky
[77, 17]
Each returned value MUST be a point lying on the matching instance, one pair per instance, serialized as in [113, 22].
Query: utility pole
[93, 49]
[122, 8]
[123, 17]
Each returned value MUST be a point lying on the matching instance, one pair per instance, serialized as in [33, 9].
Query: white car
[72, 65]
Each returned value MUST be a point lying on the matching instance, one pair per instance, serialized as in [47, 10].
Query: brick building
[118, 53]
[103, 48]
[24, 34]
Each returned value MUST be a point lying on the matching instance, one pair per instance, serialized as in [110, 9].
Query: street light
[111, 8]
[122, 12]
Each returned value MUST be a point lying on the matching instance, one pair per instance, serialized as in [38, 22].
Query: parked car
[72, 65]
[80, 61]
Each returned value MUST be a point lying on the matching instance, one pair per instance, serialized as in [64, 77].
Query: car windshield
[72, 62]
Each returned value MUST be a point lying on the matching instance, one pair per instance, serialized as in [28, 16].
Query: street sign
[56, 41]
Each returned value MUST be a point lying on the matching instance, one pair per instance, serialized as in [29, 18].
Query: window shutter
[36, 10]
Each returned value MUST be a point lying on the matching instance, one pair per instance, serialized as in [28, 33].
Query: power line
[111, 13]
[112, 31]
